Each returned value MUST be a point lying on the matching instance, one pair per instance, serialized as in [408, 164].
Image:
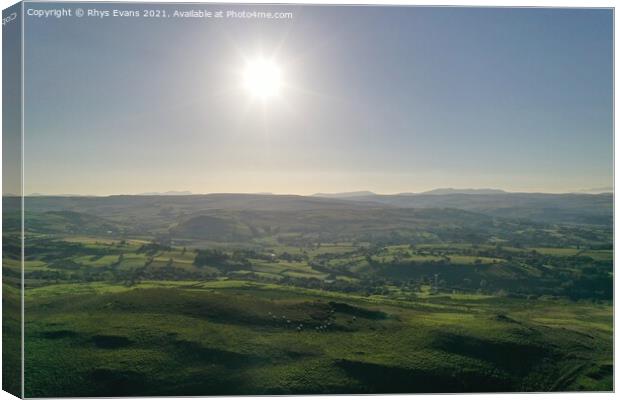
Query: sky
[387, 99]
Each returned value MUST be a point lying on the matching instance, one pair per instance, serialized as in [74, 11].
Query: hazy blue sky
[382, 99]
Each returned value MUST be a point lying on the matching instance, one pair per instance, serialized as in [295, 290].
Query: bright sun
[262, 78]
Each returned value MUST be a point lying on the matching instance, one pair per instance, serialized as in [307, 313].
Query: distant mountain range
[443, 191]
[345, 194]
[434, 191]
[464, 191]
[568, 208]
[605, 189]
[168, 193]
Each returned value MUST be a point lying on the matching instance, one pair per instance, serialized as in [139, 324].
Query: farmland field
[357, 300]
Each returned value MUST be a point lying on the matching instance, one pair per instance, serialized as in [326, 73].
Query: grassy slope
[11, 340]
[233, 337]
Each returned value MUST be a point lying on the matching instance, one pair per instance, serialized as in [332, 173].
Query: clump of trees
[213, 257]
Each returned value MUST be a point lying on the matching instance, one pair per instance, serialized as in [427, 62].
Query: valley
[267, 294]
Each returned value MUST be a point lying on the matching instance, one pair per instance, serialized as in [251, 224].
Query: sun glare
[262, 78]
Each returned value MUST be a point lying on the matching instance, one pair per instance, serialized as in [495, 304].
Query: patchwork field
[137, 297]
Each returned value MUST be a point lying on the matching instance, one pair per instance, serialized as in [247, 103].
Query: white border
[476, 3]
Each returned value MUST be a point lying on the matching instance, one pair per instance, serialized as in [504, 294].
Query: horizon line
[357, 193]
